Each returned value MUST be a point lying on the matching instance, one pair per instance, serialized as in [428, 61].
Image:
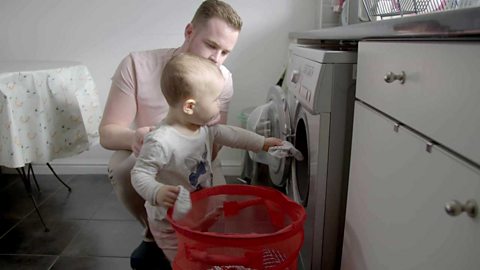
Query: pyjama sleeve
[149, 162]
[236, 137]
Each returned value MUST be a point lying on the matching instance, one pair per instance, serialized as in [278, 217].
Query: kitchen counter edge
[460, 23]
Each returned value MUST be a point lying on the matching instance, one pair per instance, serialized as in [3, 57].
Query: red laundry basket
[239, 227]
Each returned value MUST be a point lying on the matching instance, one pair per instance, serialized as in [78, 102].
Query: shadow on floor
[89, 228]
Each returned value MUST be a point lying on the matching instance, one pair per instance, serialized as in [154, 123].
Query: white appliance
[313, 110]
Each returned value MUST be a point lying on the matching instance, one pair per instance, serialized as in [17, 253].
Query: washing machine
[272, 119]
[314, 111]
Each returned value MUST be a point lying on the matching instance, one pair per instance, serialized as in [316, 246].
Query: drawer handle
[455, 208]
[391, 77]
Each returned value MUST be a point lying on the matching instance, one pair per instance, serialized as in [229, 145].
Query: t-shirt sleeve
[227, 93]
[124, 77]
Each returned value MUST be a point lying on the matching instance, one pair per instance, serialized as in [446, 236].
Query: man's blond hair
[218, 9]
[184, 74]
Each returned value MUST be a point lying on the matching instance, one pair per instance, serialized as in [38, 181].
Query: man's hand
[271, 141]
[138, 139]
[167, 195]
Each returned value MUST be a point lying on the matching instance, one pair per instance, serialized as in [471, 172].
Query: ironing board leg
[28, 187]
[30, 169]
[54, 173]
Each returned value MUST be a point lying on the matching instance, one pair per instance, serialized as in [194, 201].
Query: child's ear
[188, 106]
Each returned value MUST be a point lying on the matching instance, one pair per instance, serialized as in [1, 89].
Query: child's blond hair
[184, 74]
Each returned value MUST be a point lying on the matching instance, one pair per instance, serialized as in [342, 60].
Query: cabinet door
[440, 94]
[395, 216]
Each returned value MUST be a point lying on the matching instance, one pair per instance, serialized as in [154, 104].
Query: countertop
[460, 23]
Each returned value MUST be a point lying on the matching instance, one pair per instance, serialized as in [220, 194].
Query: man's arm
[115, 131]
[120, 110]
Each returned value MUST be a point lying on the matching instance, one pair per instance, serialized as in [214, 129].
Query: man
[135, 104]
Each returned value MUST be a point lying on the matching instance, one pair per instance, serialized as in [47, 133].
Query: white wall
[99, 33]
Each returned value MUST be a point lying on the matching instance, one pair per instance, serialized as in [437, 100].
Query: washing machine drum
[272, 119]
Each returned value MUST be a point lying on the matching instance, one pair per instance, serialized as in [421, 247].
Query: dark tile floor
[89, 228]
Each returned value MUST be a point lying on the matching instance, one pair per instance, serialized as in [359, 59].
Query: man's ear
[189, 106]
[188, 31]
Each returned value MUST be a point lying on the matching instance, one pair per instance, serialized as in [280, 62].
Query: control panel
[313, 74]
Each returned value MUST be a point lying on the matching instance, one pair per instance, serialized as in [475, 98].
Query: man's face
[214, 40]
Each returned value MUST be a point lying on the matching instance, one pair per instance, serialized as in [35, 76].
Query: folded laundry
[285, 150]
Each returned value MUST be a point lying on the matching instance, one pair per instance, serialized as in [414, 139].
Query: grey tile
[112, 209]
[89, 192]
[7, 224]
[70, 206]
[89, 226]
[7, 180]
[26, 262]
[91, 263]
[49, 183]
[15, 203]
[29, 237]
[106, 238]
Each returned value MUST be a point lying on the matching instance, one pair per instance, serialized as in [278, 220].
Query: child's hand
[167, 195]
[271, 141]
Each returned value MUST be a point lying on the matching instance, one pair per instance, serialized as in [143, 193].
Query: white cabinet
[401, 180]
[440, 95]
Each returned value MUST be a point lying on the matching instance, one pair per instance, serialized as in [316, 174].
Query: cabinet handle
[455, 208]
[391, 77]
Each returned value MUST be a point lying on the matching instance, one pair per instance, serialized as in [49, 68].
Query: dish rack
[398, 8]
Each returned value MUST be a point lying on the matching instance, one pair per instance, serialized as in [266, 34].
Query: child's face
[207, 103]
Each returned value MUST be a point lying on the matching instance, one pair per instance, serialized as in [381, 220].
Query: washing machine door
[298, 187]
[272, 119]
[280, 126]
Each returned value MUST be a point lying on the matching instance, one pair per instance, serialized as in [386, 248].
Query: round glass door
[280, 127]
[300, 182]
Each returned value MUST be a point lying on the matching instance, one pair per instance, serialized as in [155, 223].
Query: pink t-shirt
[138, 75]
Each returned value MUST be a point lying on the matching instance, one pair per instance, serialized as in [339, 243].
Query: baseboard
[229, 167]
[65, 169]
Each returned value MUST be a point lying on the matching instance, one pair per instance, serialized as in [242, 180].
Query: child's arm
[236, 137]
[149, 163]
